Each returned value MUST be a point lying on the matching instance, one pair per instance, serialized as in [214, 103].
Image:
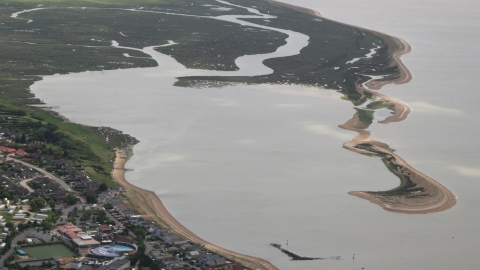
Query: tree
[23, 139]
[51, 203]
[103, 187]
[156, 265]
[36, 203]
[71, 199]
[139, 233]
[108, 206]
[15, 198]
[46, 225]
[91, 198]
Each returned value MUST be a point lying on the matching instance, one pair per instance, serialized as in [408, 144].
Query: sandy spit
[434, 197]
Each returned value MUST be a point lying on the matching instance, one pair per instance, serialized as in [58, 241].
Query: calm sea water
[245, 166]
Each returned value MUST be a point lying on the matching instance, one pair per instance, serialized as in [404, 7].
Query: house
[34, 155]
[21, 152]
[169, 238]
[175, 265]
[20, 191]
[86, 241]
[191, 255]
[15, 188]
[27, 174]
[47, 158]
[92, 185]
[212, 260]
[232, 266]
[120, 239]
[155, 254]
[68, 227]
[118, 264]
[45, 210]
[187, 247]
[7, 150]
[105, 229]
[8, 134]
[179, 243]
[41, 180]
[58, 163]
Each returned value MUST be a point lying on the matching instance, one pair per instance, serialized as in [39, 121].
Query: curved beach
[151, 207]
[427, 196]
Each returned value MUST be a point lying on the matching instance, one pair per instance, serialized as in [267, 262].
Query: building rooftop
[117, 264]
[81, 242]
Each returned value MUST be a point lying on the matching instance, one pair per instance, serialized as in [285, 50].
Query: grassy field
[323, 62]
[48, 251]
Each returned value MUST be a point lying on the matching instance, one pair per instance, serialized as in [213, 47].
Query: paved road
[14, 244]
[47, 174]
[23, 183]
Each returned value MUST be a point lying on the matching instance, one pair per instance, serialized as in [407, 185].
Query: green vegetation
[48, 251]
[36, 204]
[324, 61]
[71, 199]
[86, 215]
[407, 186]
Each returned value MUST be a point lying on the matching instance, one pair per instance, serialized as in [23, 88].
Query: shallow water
[245, 166]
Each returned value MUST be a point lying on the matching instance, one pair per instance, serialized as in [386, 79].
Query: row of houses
[120, 211]
[8, 150]
[9, 134]
[14, 187]
[183, 250]
[48, 189]
[17, 170]
[72, 175]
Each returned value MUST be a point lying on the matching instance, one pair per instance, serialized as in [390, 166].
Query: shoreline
[401, 47]
[151, 207]
[435, 197]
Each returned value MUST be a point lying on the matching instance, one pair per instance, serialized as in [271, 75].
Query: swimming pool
[120, 248]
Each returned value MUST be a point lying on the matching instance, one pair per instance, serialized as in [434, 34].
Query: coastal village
[53, 215]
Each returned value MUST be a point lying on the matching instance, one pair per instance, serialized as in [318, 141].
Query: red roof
[20, 152]
[105, 228]
[68, 227]
[7, 149]
[71, 234]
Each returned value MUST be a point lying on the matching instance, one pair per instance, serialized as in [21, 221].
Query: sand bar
[423, 195]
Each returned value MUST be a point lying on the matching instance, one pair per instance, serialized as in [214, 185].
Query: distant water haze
[245, 166]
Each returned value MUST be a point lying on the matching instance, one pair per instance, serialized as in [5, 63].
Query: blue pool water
[119, 248]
